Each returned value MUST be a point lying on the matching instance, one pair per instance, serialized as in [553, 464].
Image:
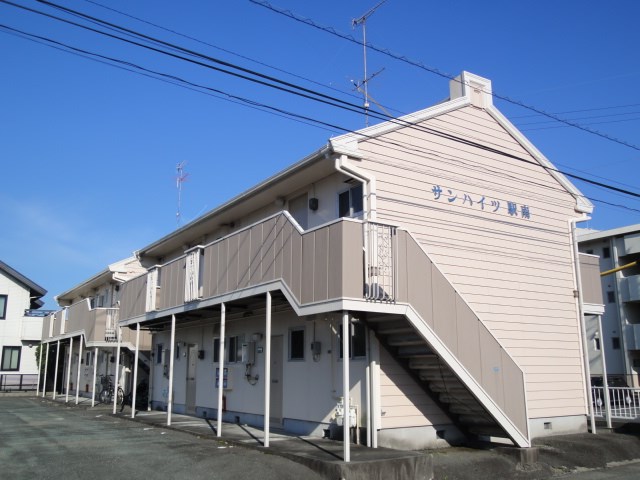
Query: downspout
[583, 330]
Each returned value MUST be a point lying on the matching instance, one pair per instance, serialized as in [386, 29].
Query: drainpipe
[267, 371]
[95, 374]
[344, 166]
[171, 362]
[223, 316]
[583, 330]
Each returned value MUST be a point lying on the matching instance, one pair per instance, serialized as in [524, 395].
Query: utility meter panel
[249, 353]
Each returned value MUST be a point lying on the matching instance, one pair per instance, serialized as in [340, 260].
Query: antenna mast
[354, 23]
[181, 177]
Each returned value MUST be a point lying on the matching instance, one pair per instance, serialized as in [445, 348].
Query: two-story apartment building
[619, 252]
[82, 337]
[19, 332]
[423, 271]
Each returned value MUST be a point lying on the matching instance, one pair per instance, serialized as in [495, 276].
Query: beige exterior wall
[516, 273]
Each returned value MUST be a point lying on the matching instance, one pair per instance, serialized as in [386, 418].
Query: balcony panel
[631, 289]
[633, 336]
[31, 329]
[133, 297]
[631, 244]
[45, 332]
[172, 277]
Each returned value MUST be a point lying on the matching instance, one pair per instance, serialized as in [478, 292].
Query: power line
[332, 31]
[306, 93]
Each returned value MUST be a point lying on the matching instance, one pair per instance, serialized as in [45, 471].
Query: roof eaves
[33, 286]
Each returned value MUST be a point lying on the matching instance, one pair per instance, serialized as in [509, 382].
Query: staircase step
[410, 351]
[466, 408]
[489, 431]
[462, 397]
[394, 329]
[476, 420]
[405, 340]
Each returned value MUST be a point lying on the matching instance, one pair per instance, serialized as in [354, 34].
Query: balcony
[31, 329]
[97, 324]
[590, 279]
[632, 336]
[631, 244]
[630, 289]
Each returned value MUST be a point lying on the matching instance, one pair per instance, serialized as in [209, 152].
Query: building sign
[481, 202]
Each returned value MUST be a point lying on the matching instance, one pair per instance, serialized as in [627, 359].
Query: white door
[191, 378]
[276, 380]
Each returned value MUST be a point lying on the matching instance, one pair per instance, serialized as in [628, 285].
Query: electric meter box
[249, 353]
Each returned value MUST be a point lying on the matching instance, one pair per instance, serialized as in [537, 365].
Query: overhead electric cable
[344, 105]
[332, 31]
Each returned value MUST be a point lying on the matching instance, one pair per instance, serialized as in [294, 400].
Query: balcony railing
[317, 265]
[624, 402]
[31, 328]
[98, 324]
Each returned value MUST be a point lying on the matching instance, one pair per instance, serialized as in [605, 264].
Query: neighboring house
[620, 335]
[423, 271]
[82, 336]
[19, 332]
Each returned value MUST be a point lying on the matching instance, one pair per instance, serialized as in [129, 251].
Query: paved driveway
[42, 440]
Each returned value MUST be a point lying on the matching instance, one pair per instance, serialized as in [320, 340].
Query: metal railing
[624, 401]
[380, 261]
[18, 382]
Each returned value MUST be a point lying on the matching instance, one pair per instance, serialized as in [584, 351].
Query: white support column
[95, 373]
[375, 388]
[66, 394]
[605, 380]
[346, 421]
[46, 368]
[116, 383]
[267, 372]
[171, 362]
[39, 370]
[223, 314]
[55, 374]
[135, 372]
[78, 375]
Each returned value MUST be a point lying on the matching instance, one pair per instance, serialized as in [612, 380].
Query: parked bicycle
[106, 394]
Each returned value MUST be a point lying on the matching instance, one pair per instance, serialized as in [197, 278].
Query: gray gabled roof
[36, 290]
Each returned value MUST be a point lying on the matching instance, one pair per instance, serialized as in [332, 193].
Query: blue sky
[89, 151]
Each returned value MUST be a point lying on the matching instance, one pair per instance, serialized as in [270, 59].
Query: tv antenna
[181, 177]
[354, 23]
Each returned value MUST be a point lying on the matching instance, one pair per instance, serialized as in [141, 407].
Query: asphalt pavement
[40, 438]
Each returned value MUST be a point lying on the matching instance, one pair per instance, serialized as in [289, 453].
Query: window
[233, 355]
[88, 359]
[606, 252]
[216, 350]
[350, 202]
[296, 343]
[597, 343]
[358, 344]
[611, 297]
[615, 343]
[589, 252]
[159, 353]
[11, 358]
[3, 307]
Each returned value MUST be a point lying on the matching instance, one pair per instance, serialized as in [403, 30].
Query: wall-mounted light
[313, 204]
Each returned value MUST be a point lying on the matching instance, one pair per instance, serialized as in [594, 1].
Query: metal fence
[16, 382]
[624, 402]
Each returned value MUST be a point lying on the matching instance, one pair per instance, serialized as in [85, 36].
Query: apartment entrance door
[192, 358]
[276, 380]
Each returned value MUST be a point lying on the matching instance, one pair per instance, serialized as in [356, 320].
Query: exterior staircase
[413, 352]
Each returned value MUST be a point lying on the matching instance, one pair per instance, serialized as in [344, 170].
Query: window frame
[3, 310]
[5, 350]
[352, 328]
[351, 212]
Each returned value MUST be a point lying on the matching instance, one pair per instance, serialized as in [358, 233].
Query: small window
[615, 343]
[216, 350]
[596, 341]
[3, 307]
[611, 297]
[11, 358]
[589, 252]
[358, 343]
[296, 343]
[350, 202]
[233, 355]
[159, 353]
[88, 356]
[606, 252]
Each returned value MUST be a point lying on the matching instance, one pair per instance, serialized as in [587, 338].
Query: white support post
[605, 380]
[267, 372]
[135, 372]
[66, 393]
[78, 375]
[39, 370]
[46, 368]
[171, 362]
[116, 383]
[346, 420]
[95, 373]
[223, 314]
[55, 374]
